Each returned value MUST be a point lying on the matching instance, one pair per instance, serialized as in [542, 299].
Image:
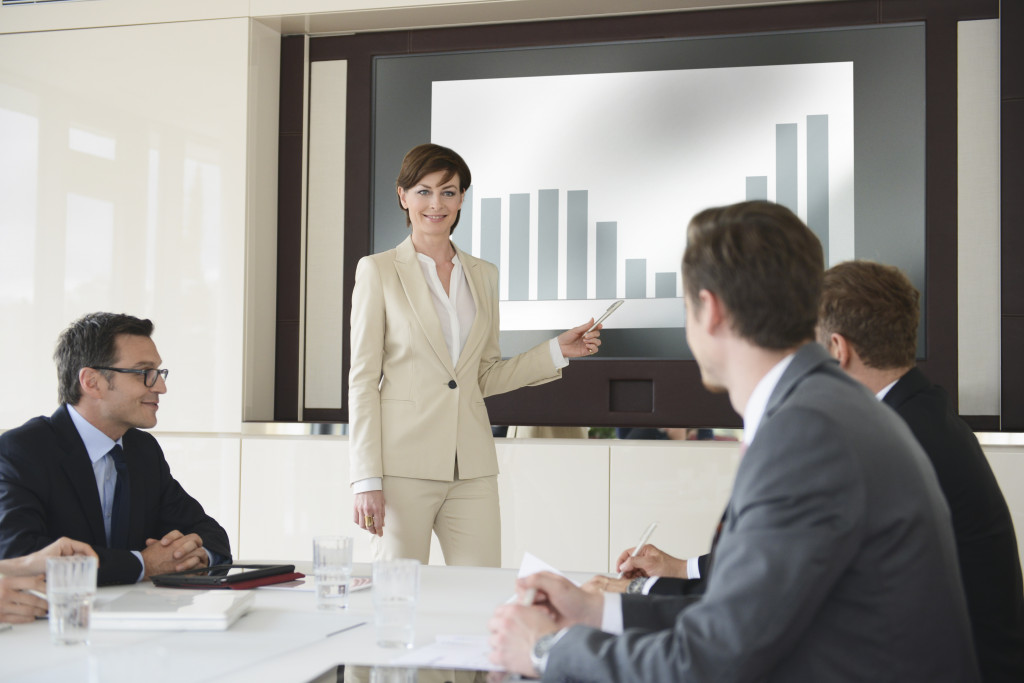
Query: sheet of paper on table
[451, 652]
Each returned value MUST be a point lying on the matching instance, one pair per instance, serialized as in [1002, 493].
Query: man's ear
[89, 381]
[712, 311]
[840, 350]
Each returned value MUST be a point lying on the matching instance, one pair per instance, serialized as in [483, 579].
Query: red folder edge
[261, 581]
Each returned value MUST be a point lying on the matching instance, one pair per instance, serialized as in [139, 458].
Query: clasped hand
[175, 552]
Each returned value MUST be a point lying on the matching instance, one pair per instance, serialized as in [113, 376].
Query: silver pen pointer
[642, 543]
[33, 591]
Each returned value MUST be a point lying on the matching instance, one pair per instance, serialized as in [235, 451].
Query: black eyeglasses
[148, 376]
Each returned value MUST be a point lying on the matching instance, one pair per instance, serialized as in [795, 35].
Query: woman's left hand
[574, 343]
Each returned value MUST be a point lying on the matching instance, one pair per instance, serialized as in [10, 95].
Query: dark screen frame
[609, 392]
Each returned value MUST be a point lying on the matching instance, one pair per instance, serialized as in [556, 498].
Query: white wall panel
[125, 191]
[576, 504]
[261, 233]
[325, 235]
[1007, 464]
[978, 311]
[294, 489]
[684, 486]
[554, 502]
[207, 468]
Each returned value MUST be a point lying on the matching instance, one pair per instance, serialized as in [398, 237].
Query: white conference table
[283, 638]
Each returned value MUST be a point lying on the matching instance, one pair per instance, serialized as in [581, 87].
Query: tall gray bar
[757, 187]
[576, 244]
[607, 246]
[785, 165]
[518, 247]
[665, 285]
[817, 178]
[547, 245]
[463, 235]
[636, 278]
[490, 230]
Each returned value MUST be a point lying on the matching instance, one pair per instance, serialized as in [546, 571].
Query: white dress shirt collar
[885, 390]
[97, 444]
[758, 401]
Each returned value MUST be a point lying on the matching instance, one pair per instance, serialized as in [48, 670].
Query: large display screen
[588, 162]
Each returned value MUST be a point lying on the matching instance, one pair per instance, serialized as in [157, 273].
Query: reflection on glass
[92, 143]
[88, 250]
[19, 140]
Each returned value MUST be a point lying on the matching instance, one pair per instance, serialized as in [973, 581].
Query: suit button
[452, 384]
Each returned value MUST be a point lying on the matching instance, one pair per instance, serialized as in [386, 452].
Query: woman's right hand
[369, 507]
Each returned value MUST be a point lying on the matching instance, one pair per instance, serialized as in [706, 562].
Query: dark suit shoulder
[33, 440]
[33, 428]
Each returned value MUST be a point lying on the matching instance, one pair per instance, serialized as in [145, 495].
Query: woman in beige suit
[424, 355]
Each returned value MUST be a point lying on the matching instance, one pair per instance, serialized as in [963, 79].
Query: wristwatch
[539, 653]
[636, 586]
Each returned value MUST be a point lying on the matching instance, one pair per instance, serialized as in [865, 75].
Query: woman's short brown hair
[422, 160]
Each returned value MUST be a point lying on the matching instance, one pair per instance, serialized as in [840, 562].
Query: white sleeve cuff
[693, 568]
[142, 572]
[611, 618]
[648, 585]
[557, 358]
[366, 485]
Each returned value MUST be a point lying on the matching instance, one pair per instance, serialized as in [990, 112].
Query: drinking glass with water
[396, 588]
[332, 569]
[70, 590]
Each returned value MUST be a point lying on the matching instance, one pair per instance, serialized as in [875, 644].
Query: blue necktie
[122, 496]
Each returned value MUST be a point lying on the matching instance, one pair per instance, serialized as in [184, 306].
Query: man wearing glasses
[87, 472]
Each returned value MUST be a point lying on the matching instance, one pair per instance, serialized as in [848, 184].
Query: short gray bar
[665, 285]
[607, 246]
[636, 278]
[757, 187]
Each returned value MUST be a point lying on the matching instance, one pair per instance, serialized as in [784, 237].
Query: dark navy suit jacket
[48, 490]
[985, 539]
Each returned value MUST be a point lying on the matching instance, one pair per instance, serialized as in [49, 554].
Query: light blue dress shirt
[98, 445]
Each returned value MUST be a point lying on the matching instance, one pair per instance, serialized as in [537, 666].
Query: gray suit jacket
[836, 560]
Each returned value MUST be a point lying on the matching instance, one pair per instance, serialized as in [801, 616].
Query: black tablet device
[221, 574]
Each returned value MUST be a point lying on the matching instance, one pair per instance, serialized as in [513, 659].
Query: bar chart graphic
[543, 279]
[584, 184]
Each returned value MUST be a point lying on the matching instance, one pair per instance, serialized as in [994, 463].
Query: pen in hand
[528, 597]
[642, 543]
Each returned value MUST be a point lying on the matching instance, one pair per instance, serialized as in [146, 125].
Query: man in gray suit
[835, 559]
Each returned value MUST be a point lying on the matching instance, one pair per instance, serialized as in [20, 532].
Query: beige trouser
[463, 513]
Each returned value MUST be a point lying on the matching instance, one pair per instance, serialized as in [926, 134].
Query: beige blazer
[411, 414]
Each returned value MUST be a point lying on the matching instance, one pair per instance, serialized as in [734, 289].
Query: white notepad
[171, 609]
